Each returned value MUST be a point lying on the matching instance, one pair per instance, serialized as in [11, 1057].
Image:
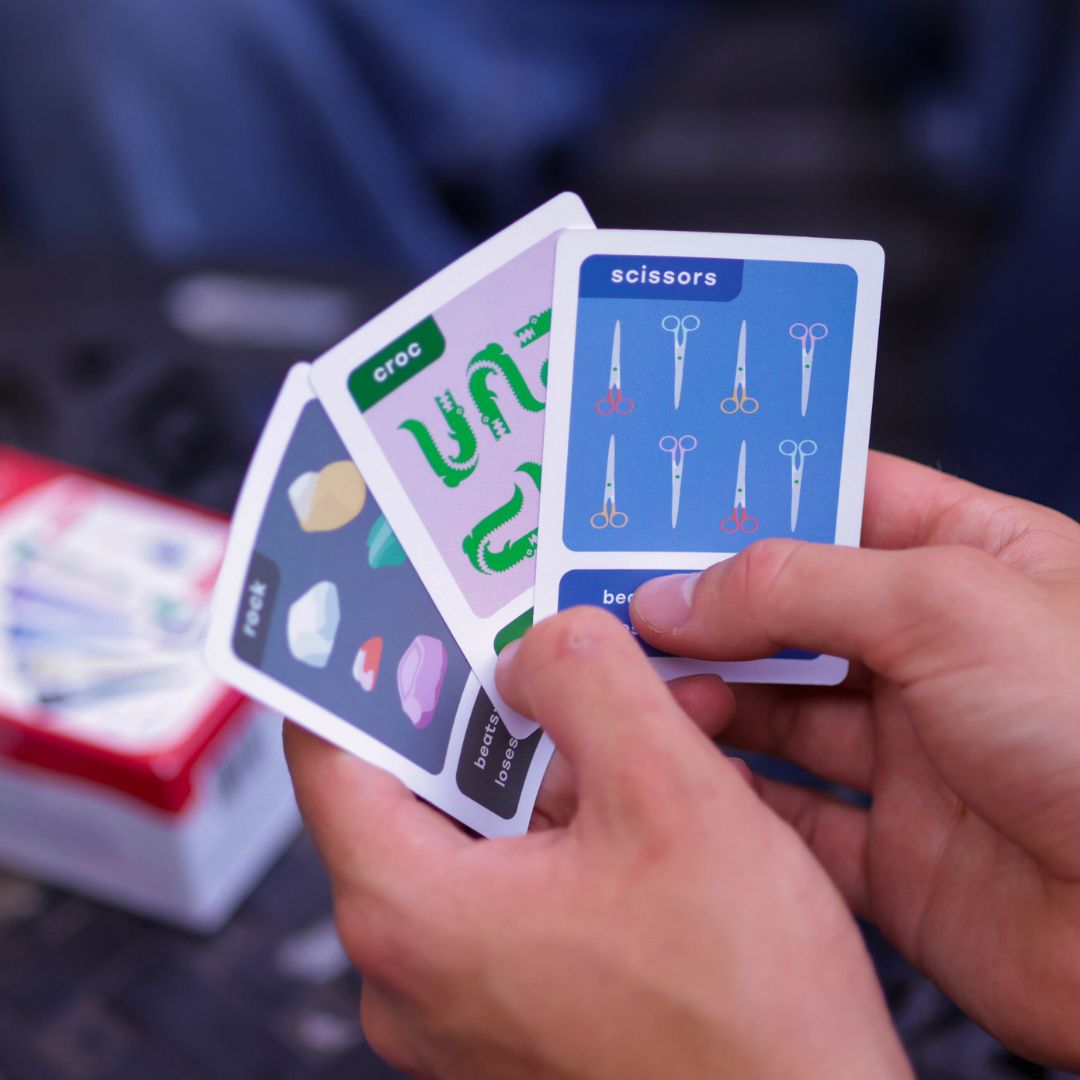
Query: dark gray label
[493, 764]
[256, 604]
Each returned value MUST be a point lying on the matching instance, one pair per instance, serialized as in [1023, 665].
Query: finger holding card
[750, 364]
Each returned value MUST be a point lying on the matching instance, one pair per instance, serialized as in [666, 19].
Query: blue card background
[774, 296]
[389, 602]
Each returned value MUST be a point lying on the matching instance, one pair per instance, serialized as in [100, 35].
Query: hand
[961, 719]
[673, 927]
[706, 699]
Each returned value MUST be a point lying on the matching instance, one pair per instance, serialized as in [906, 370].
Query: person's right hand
[961, 719]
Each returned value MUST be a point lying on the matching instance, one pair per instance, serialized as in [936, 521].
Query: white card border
[554, 559]
[439, 789]
[329, 377]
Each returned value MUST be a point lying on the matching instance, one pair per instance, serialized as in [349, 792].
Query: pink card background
[487, 313]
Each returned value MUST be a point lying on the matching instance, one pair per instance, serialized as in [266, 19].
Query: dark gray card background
[389, 602]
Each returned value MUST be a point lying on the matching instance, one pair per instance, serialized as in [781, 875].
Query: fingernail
[664, 602]
[506, 657]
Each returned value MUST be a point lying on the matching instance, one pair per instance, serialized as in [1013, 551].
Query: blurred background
[195, 195]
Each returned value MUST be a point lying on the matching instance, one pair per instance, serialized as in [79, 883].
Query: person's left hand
[669, 925]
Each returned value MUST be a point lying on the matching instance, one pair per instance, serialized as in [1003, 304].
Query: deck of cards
[558, 416]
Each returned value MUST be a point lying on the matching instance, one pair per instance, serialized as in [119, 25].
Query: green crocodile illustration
[490, 361]
[537, 327]
[451, 470]
[477, 545]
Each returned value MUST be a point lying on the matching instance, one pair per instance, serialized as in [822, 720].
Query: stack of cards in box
[679, 395]
[126, 770]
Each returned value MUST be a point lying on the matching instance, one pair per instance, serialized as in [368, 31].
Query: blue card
[706, 391]
[319, 614]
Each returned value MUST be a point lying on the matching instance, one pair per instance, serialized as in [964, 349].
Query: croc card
[442, 398]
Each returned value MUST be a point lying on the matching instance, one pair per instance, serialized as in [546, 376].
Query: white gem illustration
[313, 623]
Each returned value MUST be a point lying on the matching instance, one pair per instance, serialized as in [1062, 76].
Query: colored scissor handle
[670, 445]
[790, 448]
[687, 324]
[609, 516]
[746, 404]
[737, 523]
[615, 403]
[806, 334]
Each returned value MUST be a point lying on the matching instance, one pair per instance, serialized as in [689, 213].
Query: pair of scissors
[678, 449]
[740, 520]
[798, 452]
[615, 402]
[608, 515]
[680, 329]
[809, 336]
[740, 401]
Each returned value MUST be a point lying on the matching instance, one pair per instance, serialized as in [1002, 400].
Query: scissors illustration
[740, 522]
[680, 330]
[615, 402]
[809, 336]
[798, 452]
[608, 515]
[740, 401]
[678, 449]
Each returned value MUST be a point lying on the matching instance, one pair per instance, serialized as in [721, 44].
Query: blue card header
[657, 277]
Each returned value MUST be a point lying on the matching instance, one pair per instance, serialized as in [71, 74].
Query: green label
[513, 630]
[397, 363]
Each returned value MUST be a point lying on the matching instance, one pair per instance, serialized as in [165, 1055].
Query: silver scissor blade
[609, 482]
[796, 493]
[615, 382]
[741, 361]
[740, 485]
[807, 371]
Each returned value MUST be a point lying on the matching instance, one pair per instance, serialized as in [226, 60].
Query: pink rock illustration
[365, 667]
[420, 675]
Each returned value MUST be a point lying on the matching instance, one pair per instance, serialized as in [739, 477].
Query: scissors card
[706, 391]
[442, 398]
[318, 614]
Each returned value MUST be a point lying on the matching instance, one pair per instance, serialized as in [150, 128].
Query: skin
[662, 922]
[961, 719]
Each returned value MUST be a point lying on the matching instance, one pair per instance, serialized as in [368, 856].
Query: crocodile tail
[532, 470]
[493, 358]
[451, 472]
[476, 544]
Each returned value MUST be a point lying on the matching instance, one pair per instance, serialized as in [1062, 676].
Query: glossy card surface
[318, 613]
[442, 397]
[707, 391]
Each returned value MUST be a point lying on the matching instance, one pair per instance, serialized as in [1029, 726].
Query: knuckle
[949, 580]
[369, 942]
[767, 567]
[381, 1030]
[566, 634]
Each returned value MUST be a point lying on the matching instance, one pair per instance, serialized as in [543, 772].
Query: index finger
[909, 505]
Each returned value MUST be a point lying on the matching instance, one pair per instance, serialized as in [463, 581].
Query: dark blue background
[390, 603]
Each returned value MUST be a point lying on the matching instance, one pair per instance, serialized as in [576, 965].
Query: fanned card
[706, 391]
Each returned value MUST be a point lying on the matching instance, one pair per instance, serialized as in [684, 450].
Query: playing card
[442, 399]
[318, 613]
[705, 391]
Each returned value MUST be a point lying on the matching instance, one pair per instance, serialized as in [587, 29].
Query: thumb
[634, 752]
[899, 612]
